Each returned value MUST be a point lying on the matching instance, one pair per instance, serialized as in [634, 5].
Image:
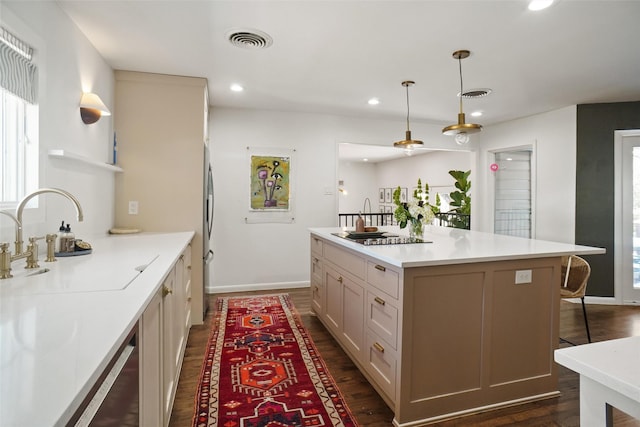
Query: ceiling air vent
[249, 39]
[475, 93]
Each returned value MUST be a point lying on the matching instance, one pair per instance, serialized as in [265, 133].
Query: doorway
[513, 193]
[627, 223]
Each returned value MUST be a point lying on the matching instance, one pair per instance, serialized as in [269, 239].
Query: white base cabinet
[151, 396]
[164, 330]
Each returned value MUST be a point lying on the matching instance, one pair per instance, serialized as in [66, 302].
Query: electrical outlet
[523, 276]
[133, 207]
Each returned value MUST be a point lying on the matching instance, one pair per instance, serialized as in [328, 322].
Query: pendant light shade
[408, 143]
[461, 130]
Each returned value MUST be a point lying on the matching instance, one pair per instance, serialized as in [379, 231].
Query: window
[18, 120]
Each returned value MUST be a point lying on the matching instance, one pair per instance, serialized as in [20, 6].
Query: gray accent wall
[596, 124]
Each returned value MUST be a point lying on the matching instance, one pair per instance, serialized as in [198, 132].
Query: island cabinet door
[344, 309]
[353, 316]
[317, 288]
[333, 304]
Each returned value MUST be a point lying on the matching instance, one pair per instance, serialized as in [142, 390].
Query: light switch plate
[133, 207]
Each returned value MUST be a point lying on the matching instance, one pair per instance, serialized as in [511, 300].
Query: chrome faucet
[23, 202]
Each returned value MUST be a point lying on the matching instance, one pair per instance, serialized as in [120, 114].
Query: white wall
[554, 136]
[365, 179]
[68, 65]
[251, 256]
[432, 168]
[360, 181]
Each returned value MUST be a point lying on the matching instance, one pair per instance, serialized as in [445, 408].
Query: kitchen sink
[76, 274]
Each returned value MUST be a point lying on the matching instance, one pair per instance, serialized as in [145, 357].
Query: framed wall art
[270, 185]
[403, 195]
[388, 192]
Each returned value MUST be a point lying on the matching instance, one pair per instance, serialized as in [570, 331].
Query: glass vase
[416, 229]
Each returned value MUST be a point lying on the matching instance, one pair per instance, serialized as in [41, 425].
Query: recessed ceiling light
[476, 113]
[539, 4]
[236, 87]
[374, 101]
[365, 160]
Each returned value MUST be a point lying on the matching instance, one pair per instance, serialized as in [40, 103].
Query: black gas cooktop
[376, 238]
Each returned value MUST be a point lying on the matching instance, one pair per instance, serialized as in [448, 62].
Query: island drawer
[317, 295]
[382, 318]
[346, 260]
[383, 278]
[317, 246]
[316, 267]
[381, 362]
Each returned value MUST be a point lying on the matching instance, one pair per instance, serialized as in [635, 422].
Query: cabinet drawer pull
[317, 288]
[340, 279]
[379, 300]
[380, 267]
[166, 291]
[378, 347]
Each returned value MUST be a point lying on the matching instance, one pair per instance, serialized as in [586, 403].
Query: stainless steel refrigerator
[207, 228]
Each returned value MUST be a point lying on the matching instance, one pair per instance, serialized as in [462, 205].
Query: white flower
[416, 211]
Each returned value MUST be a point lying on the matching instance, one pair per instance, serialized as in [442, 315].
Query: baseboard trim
[594, 300]
[257, 287]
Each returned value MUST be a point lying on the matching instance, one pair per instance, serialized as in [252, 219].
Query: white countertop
[59, 329]
[615, 364]
[456, 246]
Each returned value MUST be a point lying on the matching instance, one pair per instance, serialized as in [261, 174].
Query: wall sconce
[341, 188]
[92, 108]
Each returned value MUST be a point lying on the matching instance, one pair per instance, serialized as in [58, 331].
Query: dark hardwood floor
[605, 321]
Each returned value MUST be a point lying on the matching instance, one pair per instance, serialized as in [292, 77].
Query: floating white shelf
[67, 155]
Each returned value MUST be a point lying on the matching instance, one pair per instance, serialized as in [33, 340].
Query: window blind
[18, 74]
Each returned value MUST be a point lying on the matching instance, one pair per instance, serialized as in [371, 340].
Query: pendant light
[408, 143]
[461, 130]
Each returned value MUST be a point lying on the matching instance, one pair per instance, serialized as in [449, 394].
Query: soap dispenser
[62, 238]
[71, 239]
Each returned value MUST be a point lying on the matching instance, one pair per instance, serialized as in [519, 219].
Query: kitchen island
[61, 328]
[465, 323]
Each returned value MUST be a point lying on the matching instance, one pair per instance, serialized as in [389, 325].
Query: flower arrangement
[416, 212]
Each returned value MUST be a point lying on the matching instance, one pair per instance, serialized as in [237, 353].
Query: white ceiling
[332, 56]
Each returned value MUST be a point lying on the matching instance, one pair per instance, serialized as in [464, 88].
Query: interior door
[630, 224]
[513, 193]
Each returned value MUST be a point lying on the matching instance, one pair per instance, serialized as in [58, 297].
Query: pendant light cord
[460, 67]
[407, 86]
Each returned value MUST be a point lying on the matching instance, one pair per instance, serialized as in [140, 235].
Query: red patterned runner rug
[262, 369]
